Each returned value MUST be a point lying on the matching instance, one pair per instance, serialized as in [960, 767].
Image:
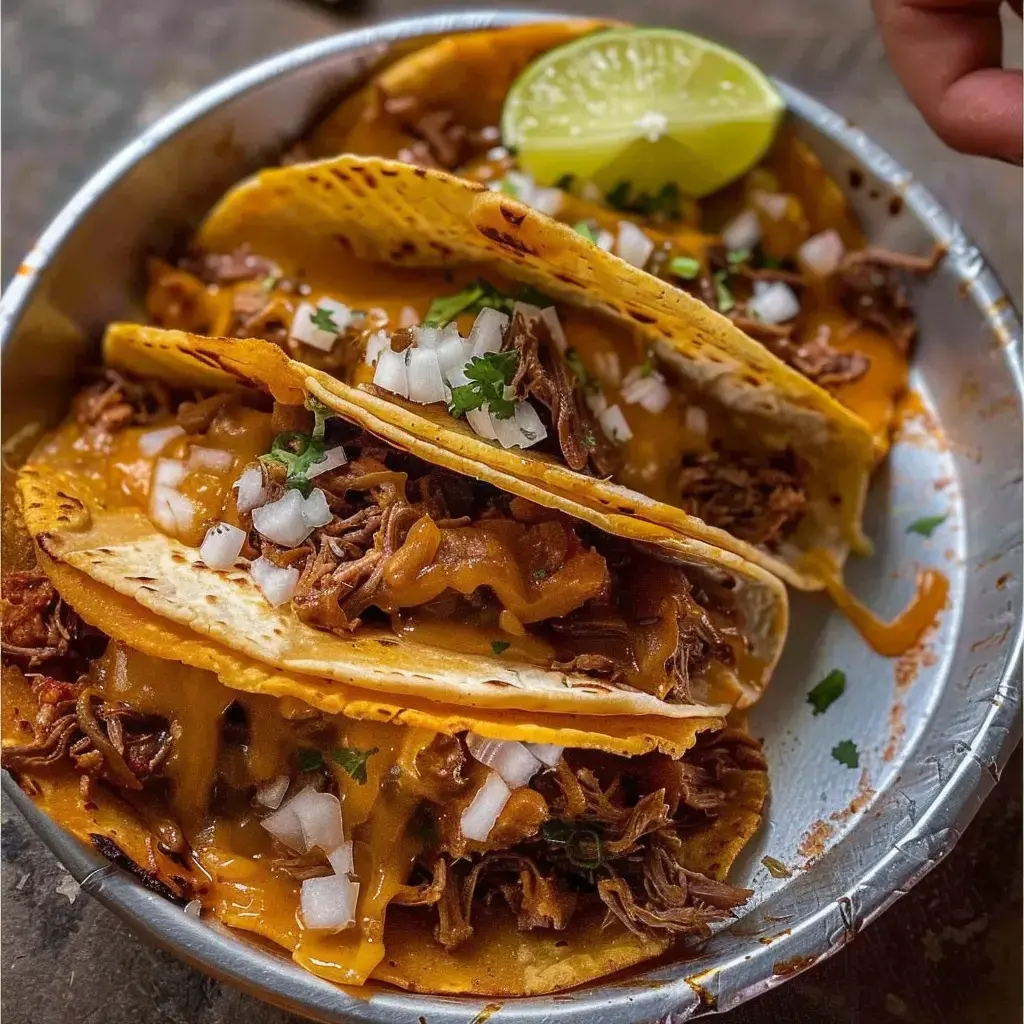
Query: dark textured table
[79, 78]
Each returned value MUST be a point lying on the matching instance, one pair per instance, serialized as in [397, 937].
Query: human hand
[948, 55]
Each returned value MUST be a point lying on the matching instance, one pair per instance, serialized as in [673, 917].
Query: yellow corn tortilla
[383, 211]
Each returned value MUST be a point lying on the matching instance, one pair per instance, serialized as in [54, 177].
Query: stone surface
[82, 76]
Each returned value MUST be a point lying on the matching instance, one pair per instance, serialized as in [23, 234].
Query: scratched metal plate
[933, 727]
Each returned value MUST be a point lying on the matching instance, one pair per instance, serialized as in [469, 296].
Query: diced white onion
[651, 391]
[775, 204]
[547, 753]
[606, 366]
[521, 430]
[375, 344]
[527, 309]
[480, 421]
[277, 584]
[408, 317]
[315, 510]
[251, 489]
[391, 373]
[696, 420]
[193, 909]
[604, 240]
[284, 825]
[168, 472]
[596, 402]
[340, 858]
[283, 521]
[613, 423]
[305, 330]
[156, 440]
[328, 904]
[215, 459]
[452, 356]
[591, 193]
[319, 817]
[271, 793]
[222, 545]
[522, 185]
[487, 332]
[426, 385]
[426, 337]
[822, 253]
[633, 245]
[171, 510]
[550, 316]
[487, 804]
[742, 232]
[511, 760]
[334, 458]
[774, 302]
[547, 200]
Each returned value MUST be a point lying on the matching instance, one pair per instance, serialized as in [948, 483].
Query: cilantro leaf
[309, 759]
[579, 371]
[926, 525]
[488, 375]
[269, 283]
[845, 752]
[583, 846]
[737, 256]
[776, 868]
[539, 574]
[685, 267]
[589, 440]
[500, 645]
[474, 297]
[566, 182]
[506, 186]
[321, 414]
[353, 760]
[663, 204]
[828, 691]
[584, 229]
[297, 452]
[723, 296]
[647, 366]
[324, 319]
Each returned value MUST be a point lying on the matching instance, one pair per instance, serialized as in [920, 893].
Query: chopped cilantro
[474, 297]
[269, 283]
[539, 574]
[297, 452]
[737, 256]
[321, 414]
[309, 759]
[589, 440]
[776, 868]
[584, 229]
[500, 645]
[324, 319]
[647, 366]
[685, 267]
[926, 525]
[618, 198]
[845, 752]
[506, 186]
[566, 182]
[353, 760]
[579, 371]
[488, 377]
[583, 846]
[723, 296]
[664, 204]
[828, 691]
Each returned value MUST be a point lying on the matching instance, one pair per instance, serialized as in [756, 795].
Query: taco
[491, 772]
[779, 252]
[627, 395]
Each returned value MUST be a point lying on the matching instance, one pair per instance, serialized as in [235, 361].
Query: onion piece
[341, 859]
[774, 204]
[315, 510]
[651, 391]
[271, 793]
[613, 423]
[773, 302]
[304, 328]
[530, 425]
[285, 827]
[375, 344]
[547, 200]
[426, 385]
[168, 472]
[251, 489]
[194, 909]
[480, 421]
[528, 310]
[604, 240]
[822, 253]
[319, 817]
[215, 459]
[392, 373]
[426, 336]
[452, 356]
[283, 521]
[328, 904]
[550, 316]
[221, 546]
[696, 420]
[484, 809]
[633, 245]
[742, 232]
[596, 402]
[334, 458]
[277, 584]
[171, 510]
[590, 191]
[155, 441]
[487, 332]
[408, 317]
[606, 366]
[547, 753]
[510, 759]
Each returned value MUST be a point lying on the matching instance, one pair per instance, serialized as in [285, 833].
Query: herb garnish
[309, 759]
[845, 752]
[500, 645]
[589, 440]
[476, 296]
[269, 283]
[723, 296]
[735, 257]
[828, 691]
[776, 868]
[584, 229]
[324, 319]
[582, 844]
[508, 187]
[685, 267]
[539, 574]
[353, 760]
[647, 366]
[664, 204]
[579, 371]
[488, 377]
[298, 452]
[926, 525]
[566, 182]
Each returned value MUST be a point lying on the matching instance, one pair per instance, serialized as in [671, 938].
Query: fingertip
[983, 114]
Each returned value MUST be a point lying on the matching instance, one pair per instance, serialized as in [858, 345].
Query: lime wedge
[647, 106]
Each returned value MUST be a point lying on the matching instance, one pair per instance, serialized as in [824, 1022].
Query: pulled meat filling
[758, 500]
[816, 359]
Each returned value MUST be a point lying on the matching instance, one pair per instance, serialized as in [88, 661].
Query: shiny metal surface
[933, 727]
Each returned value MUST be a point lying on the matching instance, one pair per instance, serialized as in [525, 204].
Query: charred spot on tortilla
[512, 216]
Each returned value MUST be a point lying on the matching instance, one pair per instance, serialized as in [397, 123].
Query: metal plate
[933, 727]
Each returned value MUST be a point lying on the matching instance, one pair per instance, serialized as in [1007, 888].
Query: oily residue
[897, 730]
[993, 640]
[815, 840]
[486, 1013]
[767, 940]
[914, 424]
[793, 965]
[910, 663]
[1003, 580]
[865, 792]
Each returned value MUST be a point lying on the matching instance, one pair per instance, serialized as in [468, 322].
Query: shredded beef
[591, 664]
[699, 642]
[229, 268]
[757, 499]
[116, 401]
[817, 360]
